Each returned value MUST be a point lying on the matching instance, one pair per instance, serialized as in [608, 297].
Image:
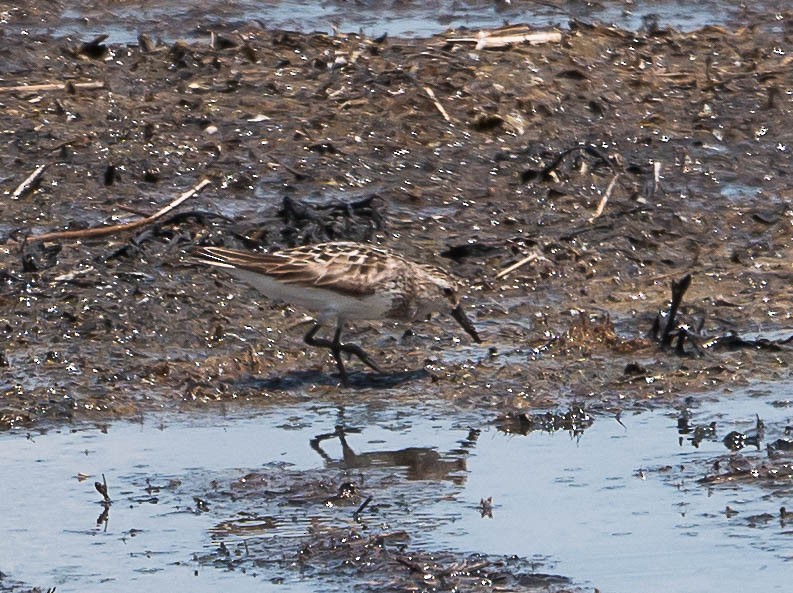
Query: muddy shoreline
[513, 157]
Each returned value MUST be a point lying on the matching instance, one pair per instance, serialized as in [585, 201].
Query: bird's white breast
[326, 303]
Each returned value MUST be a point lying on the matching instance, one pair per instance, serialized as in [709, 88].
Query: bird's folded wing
[333, 271]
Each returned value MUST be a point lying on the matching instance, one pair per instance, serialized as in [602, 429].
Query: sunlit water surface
[594, 508]
[122, 21]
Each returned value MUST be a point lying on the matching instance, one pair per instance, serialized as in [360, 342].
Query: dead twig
[655, 184]
[101, 487]
[504, 37]
[361, 508]
[28, 182]
[55, 86]
[605, 198]
[679, 289]
[499, 41]
[528, 259]
[438, 106]
[298, 175]
[412, 565]
[133, 210]
[544, 173]
[117, 228]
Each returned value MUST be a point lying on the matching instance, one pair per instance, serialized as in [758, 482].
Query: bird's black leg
[334, 346]
[356, 350]
[313, 341]
[362, 356]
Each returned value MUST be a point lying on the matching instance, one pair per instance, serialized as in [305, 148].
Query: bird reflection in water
[422, 463]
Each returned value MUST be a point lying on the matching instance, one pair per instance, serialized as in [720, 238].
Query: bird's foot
[362, 356]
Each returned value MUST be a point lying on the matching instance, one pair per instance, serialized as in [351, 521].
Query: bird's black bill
[461, 318]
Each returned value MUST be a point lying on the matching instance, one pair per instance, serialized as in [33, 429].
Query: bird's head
[439, 292]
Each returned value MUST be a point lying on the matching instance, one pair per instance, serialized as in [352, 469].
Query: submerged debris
[745, 470]
[575, 421]
[780, 448]
[364, 525]
[486, 507]
[386, 562]
[735, 441]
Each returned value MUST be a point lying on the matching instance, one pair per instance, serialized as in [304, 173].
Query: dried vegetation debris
[573, 176]
[383, 561]
[8, 585]
[738, 468]
[761, 455]
[575, 421]
[360, 528]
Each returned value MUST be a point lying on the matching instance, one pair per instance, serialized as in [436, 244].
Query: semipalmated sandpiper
[344, 281]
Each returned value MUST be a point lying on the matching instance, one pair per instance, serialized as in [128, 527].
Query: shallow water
[123, 21]
[588, 505]
[594, 508]
[150, 539]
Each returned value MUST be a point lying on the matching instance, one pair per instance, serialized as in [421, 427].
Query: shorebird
[344, 281]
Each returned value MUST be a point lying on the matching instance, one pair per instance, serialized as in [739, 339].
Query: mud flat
[605, 164]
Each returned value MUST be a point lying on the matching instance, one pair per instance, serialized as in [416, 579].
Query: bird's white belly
[326, 303]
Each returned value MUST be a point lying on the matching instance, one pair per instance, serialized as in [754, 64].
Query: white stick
[438, 105]
[529, 258]
[25, 185]
[605, 198]
[56, 86]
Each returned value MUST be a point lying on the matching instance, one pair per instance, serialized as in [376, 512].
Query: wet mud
[600, 168]
[573, 186]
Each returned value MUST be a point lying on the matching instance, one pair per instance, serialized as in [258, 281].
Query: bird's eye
[448, 291]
